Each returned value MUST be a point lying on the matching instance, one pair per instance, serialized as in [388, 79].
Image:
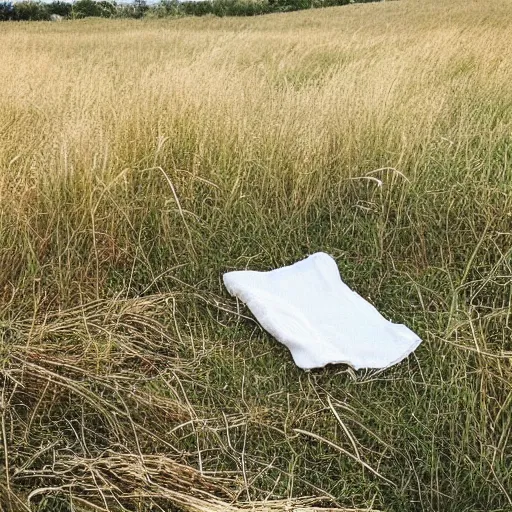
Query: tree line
[34, 10]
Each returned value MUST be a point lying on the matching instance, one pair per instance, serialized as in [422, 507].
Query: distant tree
[139, 8]
[30, 11]
[60, 8]
[293, 5]
[196, 8]
[6, 11]
[91, 8]
[108, 8]
[166, 8]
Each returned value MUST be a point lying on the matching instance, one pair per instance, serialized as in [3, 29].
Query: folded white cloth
[308, 308]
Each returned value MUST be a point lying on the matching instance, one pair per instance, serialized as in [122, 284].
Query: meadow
[141, 159]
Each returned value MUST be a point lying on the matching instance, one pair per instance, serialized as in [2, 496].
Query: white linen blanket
[307, 307]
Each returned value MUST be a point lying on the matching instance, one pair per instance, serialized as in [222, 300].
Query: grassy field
[139, 160]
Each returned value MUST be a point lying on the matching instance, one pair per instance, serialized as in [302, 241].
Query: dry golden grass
[141, 159]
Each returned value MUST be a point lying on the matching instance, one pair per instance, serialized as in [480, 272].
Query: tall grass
[141, 159]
